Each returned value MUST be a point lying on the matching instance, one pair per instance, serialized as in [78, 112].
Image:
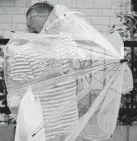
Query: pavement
[6, 132]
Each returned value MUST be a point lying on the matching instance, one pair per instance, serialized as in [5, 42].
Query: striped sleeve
[21, 70]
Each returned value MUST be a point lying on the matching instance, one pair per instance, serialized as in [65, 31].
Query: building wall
[100, 13]
[122, 133]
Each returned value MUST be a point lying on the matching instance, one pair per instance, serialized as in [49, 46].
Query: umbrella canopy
[82, 77]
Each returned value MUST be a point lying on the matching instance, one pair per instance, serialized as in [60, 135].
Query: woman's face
[35, 22]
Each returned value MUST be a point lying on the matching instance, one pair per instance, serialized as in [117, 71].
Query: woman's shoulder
[15, 46]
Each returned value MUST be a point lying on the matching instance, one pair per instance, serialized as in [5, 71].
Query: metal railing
[129, 112]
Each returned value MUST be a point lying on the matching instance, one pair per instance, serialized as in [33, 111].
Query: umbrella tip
[33, 135]
[13, 31]
[124, 60]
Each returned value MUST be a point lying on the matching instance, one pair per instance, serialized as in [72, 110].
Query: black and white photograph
[68, 70]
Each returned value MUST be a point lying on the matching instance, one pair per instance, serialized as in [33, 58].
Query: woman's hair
[40, 7]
